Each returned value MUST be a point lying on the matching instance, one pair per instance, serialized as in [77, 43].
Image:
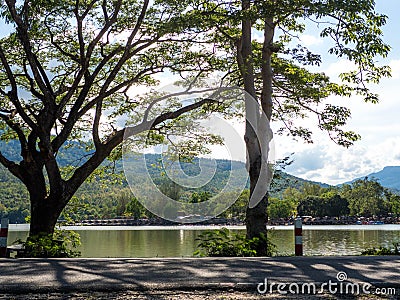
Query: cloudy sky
[378, 124]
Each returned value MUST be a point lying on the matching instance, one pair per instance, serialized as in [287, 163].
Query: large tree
[275, 70]
[366, 198]
[67, 69]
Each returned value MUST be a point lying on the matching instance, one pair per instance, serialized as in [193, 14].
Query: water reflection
[178, 242]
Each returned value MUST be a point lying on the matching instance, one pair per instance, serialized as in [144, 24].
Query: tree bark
[258, 134]
[44, 215]
[45, 207]
[255, 216]
[256, 224]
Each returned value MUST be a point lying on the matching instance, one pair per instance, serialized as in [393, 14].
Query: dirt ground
[178, 295]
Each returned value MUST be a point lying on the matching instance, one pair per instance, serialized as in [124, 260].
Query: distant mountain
[283, 180]
[389, 177]
[73, 153]
[107, 200]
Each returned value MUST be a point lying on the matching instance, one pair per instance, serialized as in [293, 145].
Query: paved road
[52, 275]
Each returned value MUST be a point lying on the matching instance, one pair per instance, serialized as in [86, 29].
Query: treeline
[107, 195]
[119, 202]
[101, 199]
[14, 203]
[364, 197]
[105, 199]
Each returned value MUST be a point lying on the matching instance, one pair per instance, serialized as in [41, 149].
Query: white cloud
[338, 67]
[395, 66]
[329, 163]
[310, 40]
[378, 125]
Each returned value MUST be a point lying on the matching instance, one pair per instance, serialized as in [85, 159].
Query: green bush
[223, 242]
[61, 244]
[383, 250]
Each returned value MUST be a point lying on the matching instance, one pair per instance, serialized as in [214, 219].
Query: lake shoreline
[307, 220]
[25, 227]
[221, 222]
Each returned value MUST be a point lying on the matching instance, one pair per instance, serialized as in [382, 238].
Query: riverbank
[196, 227]
[206, 278]
[238, 222]
[308, 220]
[158, 222]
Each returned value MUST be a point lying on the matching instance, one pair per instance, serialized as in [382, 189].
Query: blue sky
[378, 124]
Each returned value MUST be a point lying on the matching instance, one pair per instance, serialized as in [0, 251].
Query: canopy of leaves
[68, 72]
[354, 30]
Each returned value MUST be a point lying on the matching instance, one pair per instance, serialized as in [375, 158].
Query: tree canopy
[68, 69]
[354, 31]
[275, 71]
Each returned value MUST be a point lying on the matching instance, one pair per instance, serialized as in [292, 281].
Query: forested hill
[101, 199]
[74, 154]
[107, 198]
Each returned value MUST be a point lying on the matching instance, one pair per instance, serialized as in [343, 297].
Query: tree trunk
[45, 208]
[258, 133]
[256, 217]
[256, 224]
[44, 216]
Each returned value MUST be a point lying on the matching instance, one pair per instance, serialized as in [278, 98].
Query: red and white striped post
[298, 237]
[3, 237]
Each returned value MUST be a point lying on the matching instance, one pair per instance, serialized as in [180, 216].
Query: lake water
[180, 241]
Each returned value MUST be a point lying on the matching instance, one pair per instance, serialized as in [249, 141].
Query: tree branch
[104, 150]
[12, 167]
[74, 113]
[37, 69]
[266, 68]
[58, 47]
[96, 123]
[106, 27]
[138, 23]
[18, 131]
[13, 94]
[32, 84]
